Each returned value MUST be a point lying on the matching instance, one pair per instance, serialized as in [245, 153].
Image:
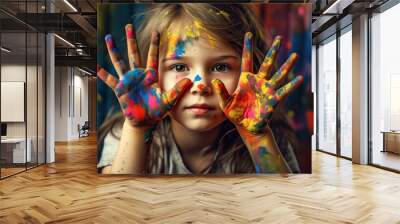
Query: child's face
[201, 61]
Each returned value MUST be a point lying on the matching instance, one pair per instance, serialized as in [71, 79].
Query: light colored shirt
[167, 158]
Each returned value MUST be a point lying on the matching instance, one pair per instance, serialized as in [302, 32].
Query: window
[385, 88]
[327, 96]
[346, 92]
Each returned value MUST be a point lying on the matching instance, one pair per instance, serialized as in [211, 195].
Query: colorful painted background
[291, 21]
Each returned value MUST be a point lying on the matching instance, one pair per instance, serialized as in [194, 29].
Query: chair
[84, 129]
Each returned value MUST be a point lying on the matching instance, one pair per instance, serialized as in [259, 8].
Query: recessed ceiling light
[70, 5]
[84, 71]
[65, 41]
[5, 50]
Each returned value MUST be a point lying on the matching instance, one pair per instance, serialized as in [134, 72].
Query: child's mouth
[200, 109]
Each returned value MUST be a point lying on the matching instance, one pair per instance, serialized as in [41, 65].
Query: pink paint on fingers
[153, 102]
[129, 31]
[109, 41]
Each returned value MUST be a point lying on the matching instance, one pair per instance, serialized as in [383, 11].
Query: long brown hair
[229, 22]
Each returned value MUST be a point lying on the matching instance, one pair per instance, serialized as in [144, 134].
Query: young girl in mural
[197, 106]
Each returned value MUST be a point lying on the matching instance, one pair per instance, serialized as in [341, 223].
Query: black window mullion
[26, 86]
[369, 96]
[316, 97]
[37, 90]
[338, 74]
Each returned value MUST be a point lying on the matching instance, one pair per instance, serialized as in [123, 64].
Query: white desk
[18, 150]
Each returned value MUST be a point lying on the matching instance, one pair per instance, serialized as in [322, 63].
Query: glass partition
[385, 89]
[326, 95]
[345, 92]
[13, 98]
[22, 77]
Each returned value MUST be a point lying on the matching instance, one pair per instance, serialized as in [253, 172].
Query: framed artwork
[204, 89]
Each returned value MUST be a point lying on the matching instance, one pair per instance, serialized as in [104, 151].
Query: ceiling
[75, 21]
[76, 24]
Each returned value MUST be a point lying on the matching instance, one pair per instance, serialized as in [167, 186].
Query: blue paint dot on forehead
[197, 78]
[180, 49]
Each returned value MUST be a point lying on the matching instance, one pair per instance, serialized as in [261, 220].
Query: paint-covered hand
[142, 101]
[254, 100]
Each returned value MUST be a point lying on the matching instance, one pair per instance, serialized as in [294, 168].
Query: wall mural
[202, 89]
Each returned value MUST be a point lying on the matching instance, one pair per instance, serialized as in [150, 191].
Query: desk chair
[84, 130]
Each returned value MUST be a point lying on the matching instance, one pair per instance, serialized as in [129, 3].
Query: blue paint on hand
[108, 37]
[258, 169]
[262, 151]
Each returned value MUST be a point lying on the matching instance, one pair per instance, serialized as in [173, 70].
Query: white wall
[34, 124]
[71, 102]
[16, 73]
[61, 103]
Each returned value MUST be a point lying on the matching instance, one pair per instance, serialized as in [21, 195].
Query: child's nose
[201, 85]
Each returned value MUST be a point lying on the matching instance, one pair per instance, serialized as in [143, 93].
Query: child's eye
[179, 68]
[220, 68]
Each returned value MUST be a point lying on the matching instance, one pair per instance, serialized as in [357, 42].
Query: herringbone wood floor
[71, 191]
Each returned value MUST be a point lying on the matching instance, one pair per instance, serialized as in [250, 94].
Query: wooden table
[391, 141]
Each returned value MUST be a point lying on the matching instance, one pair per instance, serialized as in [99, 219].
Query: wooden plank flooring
[71, 191]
